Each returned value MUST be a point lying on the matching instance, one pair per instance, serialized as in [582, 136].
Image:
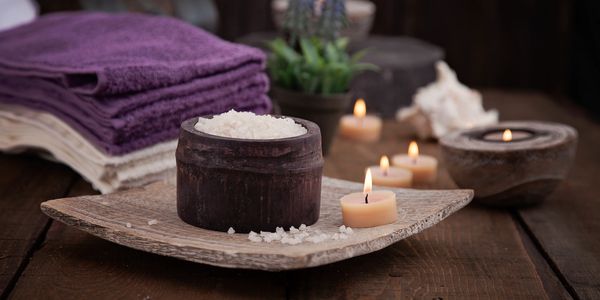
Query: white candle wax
[423, 167]
[361, 127]
[369, 208]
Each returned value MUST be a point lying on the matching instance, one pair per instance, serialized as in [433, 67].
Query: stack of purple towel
[127, 81]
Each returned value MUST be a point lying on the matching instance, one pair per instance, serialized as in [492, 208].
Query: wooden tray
[107, 217]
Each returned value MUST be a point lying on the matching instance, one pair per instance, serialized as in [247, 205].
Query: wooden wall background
[497, 43]
[524, 44]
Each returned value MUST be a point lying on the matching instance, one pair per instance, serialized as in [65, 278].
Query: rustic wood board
[107, 216]
[25, 181]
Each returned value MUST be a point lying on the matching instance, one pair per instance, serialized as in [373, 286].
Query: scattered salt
[247, 125]
[299, 235]
[128, 225]
[231, 230]
[255, 238]
[152, 222]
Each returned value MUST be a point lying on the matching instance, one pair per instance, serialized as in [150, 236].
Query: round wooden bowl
[517, 173]
[248, 184]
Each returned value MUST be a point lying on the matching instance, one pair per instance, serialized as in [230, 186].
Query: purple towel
[143, 121]
[163, 129]
[127, 81]
[42, 94]
[107, 54]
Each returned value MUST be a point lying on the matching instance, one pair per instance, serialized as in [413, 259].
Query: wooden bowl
[248, 184]
[517, 173]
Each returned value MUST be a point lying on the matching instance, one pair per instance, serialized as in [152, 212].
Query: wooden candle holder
[516, 173]
[248, 184]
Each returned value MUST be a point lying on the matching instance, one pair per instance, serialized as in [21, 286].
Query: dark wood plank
[25, 181]
[554, 287]
[72, 264]
[567, 226]
[474, 254]
[477, 253]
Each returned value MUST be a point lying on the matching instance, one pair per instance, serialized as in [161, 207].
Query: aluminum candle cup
[515, 167]
[248, 184]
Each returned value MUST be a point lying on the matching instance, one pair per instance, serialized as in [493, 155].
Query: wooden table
[549, 251]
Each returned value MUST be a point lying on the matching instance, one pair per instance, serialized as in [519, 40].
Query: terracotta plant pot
[326, 111]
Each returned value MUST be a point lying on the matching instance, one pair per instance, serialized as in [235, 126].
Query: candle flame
[413, 150]
[360, 108]
[368, 182]
[507, 135]
[384, 164]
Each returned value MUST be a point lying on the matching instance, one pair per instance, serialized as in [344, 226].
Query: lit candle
[369, 208]
[423, 167]
[390, 176]
[360, 126]
[507, 135]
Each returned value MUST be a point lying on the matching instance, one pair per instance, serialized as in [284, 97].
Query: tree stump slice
[405, 65]
[108, 217]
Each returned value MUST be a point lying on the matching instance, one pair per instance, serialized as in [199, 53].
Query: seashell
[444, 106]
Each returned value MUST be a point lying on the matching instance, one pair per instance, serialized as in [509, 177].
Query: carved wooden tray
[123, 218]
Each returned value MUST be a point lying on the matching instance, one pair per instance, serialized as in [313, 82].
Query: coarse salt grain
[299, 235]
[152, 222]
[247, 125]
[231, 230]
[294, 230]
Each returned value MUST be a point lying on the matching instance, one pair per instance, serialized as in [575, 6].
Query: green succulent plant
[317, 67]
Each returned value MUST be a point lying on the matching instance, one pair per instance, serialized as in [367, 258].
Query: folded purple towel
[127, 81]
[108, 54]
[96, 115]
[162, 129]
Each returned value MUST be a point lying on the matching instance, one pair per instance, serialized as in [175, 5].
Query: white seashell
[444, 106]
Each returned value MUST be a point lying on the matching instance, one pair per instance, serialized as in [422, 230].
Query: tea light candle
[423, 167]
[369, 208]
[360, 126]
[507, 135]
[390, 176]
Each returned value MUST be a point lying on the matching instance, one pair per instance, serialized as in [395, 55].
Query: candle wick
[367, 199]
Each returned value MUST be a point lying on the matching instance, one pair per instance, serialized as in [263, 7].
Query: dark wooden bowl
[518, 173]
[248, 184]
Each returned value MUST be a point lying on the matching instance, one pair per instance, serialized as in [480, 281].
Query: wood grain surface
[548, 251]
[106, 216]
[566, 227]
[21, 223]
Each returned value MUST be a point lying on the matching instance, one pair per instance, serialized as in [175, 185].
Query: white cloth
[16, 12]
[23, 129]
[446, 105]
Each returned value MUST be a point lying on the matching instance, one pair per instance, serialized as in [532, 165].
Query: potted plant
[311, 69]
